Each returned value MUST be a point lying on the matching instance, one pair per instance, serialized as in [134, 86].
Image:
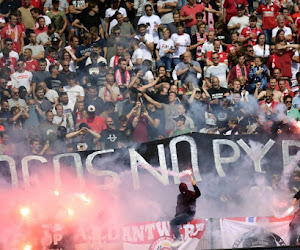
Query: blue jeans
[179, 220]
[164, 61]
[268, 34]
[176, 61]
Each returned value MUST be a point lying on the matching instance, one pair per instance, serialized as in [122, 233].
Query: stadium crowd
[86, 75]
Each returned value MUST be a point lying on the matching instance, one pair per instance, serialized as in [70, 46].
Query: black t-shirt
[103, 6]
[217, 93]
[83, 143]
[102, 42]
[89, 21]
[126, 134]
[110, 138]
[76, 4]
[98, 103]
[53, 83]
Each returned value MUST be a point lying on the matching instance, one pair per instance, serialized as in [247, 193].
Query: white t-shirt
[184, 40]
[295, 66]
[137, 54]
[151, 30]
[11, 54]
[110, 12]
[244, 21]
[51, 95]
[167, 17]
[218, 71]
[165, 45]
[260, 52]
[287, 31]
[73, 92]
[21, 79]
[207, 46]
[147, 54]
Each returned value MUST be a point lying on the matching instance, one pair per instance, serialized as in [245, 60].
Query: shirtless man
[277, 95]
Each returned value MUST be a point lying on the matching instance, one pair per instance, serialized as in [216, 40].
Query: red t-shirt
[32, 65]
[246, 32]
[11, 63]
[284, 62]
[269, 14]
[96, 124]
[230, 6]
[14, 33]
[222, 56]
[186, 10]
[39, 31]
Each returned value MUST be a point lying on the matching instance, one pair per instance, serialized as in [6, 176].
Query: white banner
[255, 232]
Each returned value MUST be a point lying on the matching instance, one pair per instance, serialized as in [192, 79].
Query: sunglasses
[215, 58]
[20, 64]
[288, 102]
[15, 93]
[149, 10]
[66, 65]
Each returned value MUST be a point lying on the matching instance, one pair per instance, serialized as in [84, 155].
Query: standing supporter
[50, 94]
[15, 100]
[89, 18]
[83, 51]
[36, 14]
[189, 11]
[31, 64]
[41, 26]
[216, 92]
[237, 23]
[14, 32]
[164, 50]
[22, 77]
[249, 34]
[7, 61]
[54, 81]
[27, 18]
[127, 31]
[259, 73]
[287, 31]
[261, 48]
[292, 113]
[198, 39]
[283, 89]
[189, 71]
[115, 59]
[283, 58]
[8, 43]
[230, 8]
[153, 22]
[208, 45]
[146, 42]
[110, 138]
[38, 51]
[63, 120]
[137, 55]
[92, 98]
[110, 17]
[268, 11]
[170, 110]
[277, 95]
[239, 70]
[45, 38]
[96, 123]
[218, 49]
[217, 69]
[181, 41]
[74, 91]
[57, 16]
[122, 75]
[110, 92]
[43, 103]
[166, 10]
[5, 93]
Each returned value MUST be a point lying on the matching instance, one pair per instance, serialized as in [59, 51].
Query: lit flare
[27, 247]
[70, 212]
[56, 193]
[189, 172]
[24, 211]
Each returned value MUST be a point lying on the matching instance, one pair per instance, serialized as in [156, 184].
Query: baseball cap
[180, 117]
[102, 64]
[55, 40]
[83, 125]
[210, 122]
[240, 6]
[91, 108]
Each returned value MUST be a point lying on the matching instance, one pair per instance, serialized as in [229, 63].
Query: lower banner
[158, 235]
[255, 232]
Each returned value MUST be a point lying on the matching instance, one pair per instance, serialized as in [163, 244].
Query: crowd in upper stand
[92, 75]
